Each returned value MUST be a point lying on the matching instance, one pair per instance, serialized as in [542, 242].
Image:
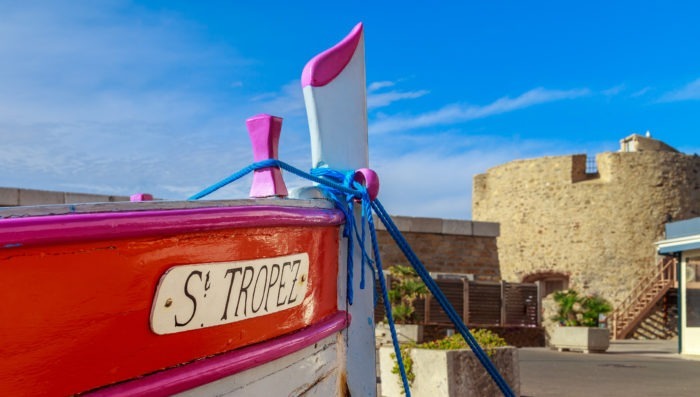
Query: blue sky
[119, 97]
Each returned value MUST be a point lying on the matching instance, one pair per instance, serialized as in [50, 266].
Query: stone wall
[12, 197]
[598, 229]
[445, 246]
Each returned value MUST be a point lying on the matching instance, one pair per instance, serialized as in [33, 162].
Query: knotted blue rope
[347, 207]
[273, 163]
[336, 184]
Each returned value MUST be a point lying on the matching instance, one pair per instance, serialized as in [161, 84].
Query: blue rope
[273, 163]
[387, 308]
[440, 297]
[348, 208]
[336, 184]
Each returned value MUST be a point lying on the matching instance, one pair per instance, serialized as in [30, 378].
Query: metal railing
[591, 165]
[643, 297]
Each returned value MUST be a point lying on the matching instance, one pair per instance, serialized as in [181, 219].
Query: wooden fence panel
[521, 304]
[479, 303]
[484, 303]
[379, 312]
[454, 291]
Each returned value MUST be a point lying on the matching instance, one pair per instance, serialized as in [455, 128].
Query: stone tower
[592, 230]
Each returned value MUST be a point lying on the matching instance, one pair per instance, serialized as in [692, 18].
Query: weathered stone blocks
[598, 229]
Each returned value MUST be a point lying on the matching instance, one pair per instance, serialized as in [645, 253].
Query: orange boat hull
[75, 316]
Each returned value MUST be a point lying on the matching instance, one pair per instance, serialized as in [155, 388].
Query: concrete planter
[450, 373]
[405, 332]
[584, 339]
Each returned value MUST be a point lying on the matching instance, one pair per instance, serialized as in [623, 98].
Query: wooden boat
[242, 297]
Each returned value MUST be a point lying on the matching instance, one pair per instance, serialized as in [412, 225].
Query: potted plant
[448, 367]
[578, 318]
[405, 287]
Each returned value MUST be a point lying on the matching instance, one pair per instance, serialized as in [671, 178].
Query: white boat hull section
[316, 370]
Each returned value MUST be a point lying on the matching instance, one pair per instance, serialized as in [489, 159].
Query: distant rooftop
[685, 228]
[639, 143]
[681, 236]
[11, 197]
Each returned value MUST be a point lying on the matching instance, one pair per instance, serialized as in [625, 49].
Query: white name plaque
[209, 294]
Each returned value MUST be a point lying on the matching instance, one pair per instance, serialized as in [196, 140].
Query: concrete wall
[597, 228]
[11, 197]
[444, 245]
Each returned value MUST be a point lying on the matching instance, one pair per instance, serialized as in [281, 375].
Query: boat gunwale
[129, 206]
[91, 222]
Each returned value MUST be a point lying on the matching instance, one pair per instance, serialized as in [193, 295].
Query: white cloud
[109, 97]
[641, 92]
[382, 99]
[288, 101]
[387, 98]
[689, 92]
[92, 101]
[90, 61]
[456, 113]
[612, 91]
[377, 85]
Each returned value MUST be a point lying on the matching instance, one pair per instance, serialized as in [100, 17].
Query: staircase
[643, 298]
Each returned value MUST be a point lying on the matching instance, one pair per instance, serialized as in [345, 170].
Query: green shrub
[485, 338]
[406, 287]
[576, 310]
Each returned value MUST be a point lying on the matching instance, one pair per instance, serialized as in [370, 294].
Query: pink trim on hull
[326, 66]
[198, 373]
[30, 231]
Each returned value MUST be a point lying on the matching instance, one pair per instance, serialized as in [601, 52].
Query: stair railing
[627, 314]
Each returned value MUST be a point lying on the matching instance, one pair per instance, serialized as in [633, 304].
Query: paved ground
[629, 368]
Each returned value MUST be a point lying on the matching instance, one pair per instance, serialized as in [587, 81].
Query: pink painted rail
[198, 373]
[18, 232]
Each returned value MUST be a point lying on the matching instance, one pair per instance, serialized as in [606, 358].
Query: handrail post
[465, 300]
[503, 304]
[672, 267]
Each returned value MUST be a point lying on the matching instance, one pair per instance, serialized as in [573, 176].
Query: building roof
[639, 143]
[681, 236]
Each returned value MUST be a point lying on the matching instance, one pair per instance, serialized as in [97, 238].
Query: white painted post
[336, 103]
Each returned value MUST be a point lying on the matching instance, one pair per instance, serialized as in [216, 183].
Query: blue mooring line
[442, 299]
[335, 183]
